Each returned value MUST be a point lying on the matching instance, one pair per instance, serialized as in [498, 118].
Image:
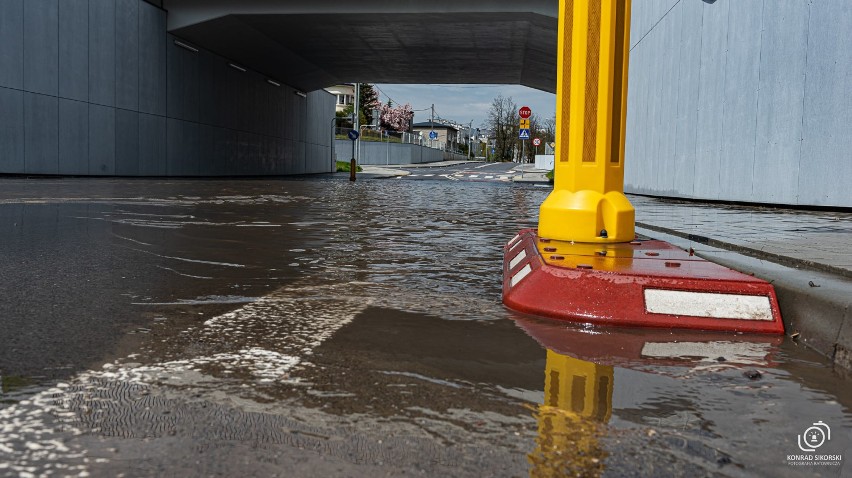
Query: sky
[463, 103]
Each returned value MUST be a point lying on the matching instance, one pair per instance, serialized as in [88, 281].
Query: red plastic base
[645, 283]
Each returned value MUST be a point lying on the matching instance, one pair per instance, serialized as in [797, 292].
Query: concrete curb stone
[821, 313]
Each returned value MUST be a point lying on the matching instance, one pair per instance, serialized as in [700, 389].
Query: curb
[816, 305]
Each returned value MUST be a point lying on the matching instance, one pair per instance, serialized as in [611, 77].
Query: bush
[550, 175]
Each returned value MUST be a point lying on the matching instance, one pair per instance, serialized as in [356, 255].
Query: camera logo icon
[814, 437]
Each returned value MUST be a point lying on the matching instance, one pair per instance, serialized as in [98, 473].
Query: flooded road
[316, 327]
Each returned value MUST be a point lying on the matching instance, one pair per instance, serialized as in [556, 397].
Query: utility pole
[357, 122]
[469, 139]
[432, 126]
[353, 166]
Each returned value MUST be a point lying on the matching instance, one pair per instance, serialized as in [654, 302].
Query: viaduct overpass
[319, 43]
[728, 100]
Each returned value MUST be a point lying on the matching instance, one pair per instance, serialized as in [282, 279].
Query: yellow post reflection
[577, 403]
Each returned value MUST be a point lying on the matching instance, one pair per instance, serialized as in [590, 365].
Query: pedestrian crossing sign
[524, 134]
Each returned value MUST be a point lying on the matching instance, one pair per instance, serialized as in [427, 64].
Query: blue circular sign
[433, 135]
[353, 135]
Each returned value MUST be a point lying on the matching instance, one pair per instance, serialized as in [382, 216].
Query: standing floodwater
[321, 328]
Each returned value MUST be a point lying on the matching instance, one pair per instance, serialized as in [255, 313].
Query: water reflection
[658, 351]
[578, 402]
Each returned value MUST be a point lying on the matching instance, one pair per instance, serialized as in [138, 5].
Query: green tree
[345, 117]
[502, 120]
[369, 103]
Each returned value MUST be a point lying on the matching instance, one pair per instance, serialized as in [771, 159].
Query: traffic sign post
[353, 135]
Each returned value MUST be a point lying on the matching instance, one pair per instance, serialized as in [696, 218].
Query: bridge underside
[310, 49]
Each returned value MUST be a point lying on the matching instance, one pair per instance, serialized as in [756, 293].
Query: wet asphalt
[310, 326]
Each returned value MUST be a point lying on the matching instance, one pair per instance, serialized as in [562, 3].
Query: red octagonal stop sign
[525, 112]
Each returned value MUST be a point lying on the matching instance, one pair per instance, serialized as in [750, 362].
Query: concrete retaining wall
[741, 101]
[97, 87]
[376, 153]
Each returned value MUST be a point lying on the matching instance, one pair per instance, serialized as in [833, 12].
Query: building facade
[344, 95]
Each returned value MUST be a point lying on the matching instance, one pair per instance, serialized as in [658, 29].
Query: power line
[387, 95]
[466, 86]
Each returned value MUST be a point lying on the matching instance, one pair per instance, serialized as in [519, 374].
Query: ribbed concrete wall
[97, 87]
[376, 153]
[741, 100]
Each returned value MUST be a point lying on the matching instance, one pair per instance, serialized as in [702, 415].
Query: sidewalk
[396, 170]
[807, 239]
[806, 255]
[527, 173]
[382, 171]
[439, 164]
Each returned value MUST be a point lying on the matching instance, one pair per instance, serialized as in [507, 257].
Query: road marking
[489, 177]
[428, 175]
[473, 176]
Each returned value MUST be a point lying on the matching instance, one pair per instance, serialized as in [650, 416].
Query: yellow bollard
[588, 203]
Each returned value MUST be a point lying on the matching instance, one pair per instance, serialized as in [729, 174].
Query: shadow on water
[322, 327]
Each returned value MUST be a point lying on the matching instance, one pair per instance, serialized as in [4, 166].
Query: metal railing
[382, 136]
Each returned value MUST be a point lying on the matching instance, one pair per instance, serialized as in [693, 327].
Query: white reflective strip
[514, 239]
[517, 260]
[520, 275]
[705, 304]
[737, 352]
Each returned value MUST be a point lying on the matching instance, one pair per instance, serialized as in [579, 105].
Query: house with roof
[345, 94]
[449, 135]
